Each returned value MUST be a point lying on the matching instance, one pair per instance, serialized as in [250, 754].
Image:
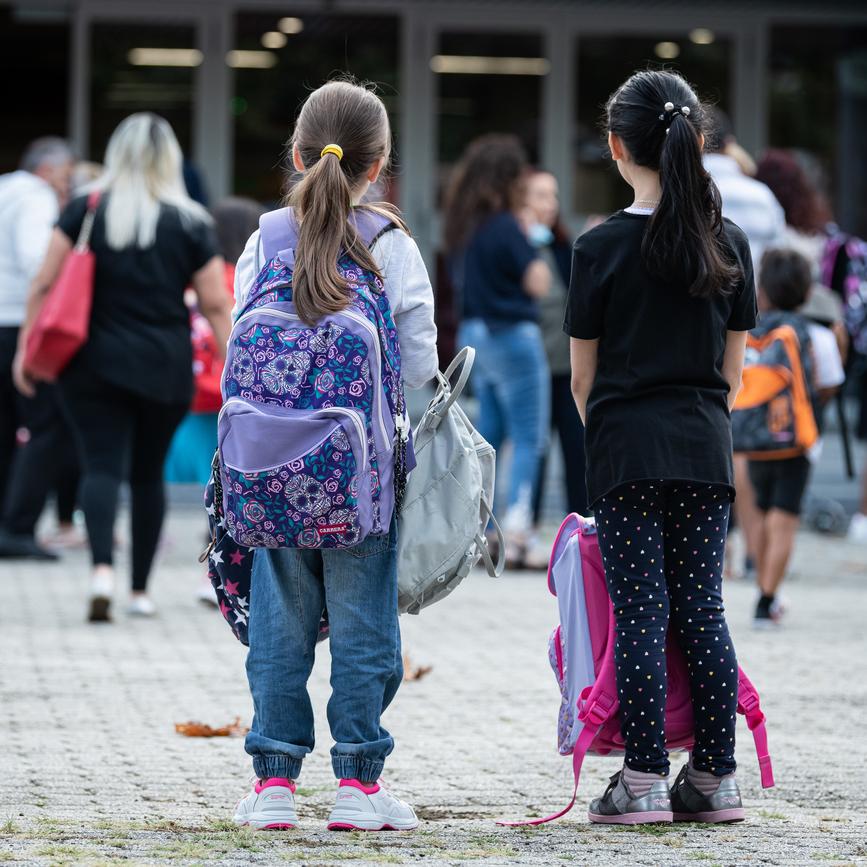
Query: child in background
[340, 146]
[779, 484]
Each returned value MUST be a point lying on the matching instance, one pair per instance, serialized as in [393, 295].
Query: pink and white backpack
[581, 652]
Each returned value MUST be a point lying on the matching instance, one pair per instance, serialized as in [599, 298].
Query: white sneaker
[141, 606]
[369, 808]
[857, 529]
[537, 555]
[269, 807]
[101, 593]
[206, 594]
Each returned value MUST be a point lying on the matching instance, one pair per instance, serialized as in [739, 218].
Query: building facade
[230, 74]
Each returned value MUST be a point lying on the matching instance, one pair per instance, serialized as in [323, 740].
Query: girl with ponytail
[660, 302]
[339, 148]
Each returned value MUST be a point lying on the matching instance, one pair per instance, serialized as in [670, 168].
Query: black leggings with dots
[663, 545]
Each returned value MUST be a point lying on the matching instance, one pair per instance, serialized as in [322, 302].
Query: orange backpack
[773, 415]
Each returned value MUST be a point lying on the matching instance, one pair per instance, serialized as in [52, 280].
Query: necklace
[646, 202]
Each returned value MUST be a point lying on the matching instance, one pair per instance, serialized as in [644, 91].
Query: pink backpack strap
[750, 707]
[595, 707]
[594, 717]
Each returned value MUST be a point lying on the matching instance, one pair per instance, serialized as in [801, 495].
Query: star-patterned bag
[230, 566]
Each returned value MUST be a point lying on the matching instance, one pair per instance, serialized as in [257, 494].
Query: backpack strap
[594, 715]
[278, 231]
[370, 225]
[750, 707]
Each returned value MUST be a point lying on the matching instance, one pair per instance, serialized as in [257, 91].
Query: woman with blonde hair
[130, 385]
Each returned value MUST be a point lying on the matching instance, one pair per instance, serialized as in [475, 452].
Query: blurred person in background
[751, 206]
[31, 428]
[131, 384]
[808, 215]
[501, 278]
[192, 450]
[805, 210]
[67, 534]
[778, 484]
[550, 237]
[746, 202]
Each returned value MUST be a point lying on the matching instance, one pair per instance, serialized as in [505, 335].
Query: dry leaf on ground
[194, 729]
[414, 672]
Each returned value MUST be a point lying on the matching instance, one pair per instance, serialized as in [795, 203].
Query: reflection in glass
[138, 66]
[818, 105]
[487, 82]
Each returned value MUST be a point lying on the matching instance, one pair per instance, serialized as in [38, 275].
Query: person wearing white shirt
[30, 201]
[753, 208]
[747, 202]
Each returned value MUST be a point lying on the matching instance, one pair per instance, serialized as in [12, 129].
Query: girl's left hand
[22, 379]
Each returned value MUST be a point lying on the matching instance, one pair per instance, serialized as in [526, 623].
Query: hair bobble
[669, 110]
[332, 149]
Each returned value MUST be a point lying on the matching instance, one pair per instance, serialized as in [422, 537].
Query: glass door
[142, 65]
[487, 82]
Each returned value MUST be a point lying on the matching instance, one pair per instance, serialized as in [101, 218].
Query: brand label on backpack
[333, 528]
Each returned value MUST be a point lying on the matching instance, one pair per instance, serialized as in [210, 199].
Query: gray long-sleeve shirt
[409, 292]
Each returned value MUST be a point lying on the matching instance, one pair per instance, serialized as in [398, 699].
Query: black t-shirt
[494, 263]
[140, 327]
[658, 407]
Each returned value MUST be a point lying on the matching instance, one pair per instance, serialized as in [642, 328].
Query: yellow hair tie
[332, 149]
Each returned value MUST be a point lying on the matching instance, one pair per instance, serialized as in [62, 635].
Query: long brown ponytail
[354, 118]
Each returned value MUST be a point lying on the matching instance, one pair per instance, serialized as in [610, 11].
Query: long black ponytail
[660, 120]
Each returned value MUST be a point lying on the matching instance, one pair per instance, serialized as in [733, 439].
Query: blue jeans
[290, 588]
[511, 380]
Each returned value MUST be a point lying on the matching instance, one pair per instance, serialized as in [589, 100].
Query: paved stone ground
[93, 772]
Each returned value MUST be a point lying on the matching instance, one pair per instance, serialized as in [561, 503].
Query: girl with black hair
[660, 302]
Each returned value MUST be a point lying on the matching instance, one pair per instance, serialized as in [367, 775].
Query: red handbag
[63, 323]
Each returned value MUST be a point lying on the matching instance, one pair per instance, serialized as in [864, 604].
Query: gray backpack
[448, 499]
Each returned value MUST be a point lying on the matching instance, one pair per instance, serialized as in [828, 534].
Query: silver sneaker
[690, 805]
[618, 806]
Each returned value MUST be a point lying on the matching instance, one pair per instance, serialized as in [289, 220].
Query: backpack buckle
[402, 426]
[748, 704]
[597, 712]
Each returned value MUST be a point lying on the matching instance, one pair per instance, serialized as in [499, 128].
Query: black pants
[566, 421]
[45, 460]
[121, 436]
[663, 545]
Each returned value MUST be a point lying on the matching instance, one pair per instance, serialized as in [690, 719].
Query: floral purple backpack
[313, 439]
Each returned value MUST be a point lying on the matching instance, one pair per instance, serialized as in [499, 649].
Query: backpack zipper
[371, 329]
[352, 414]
